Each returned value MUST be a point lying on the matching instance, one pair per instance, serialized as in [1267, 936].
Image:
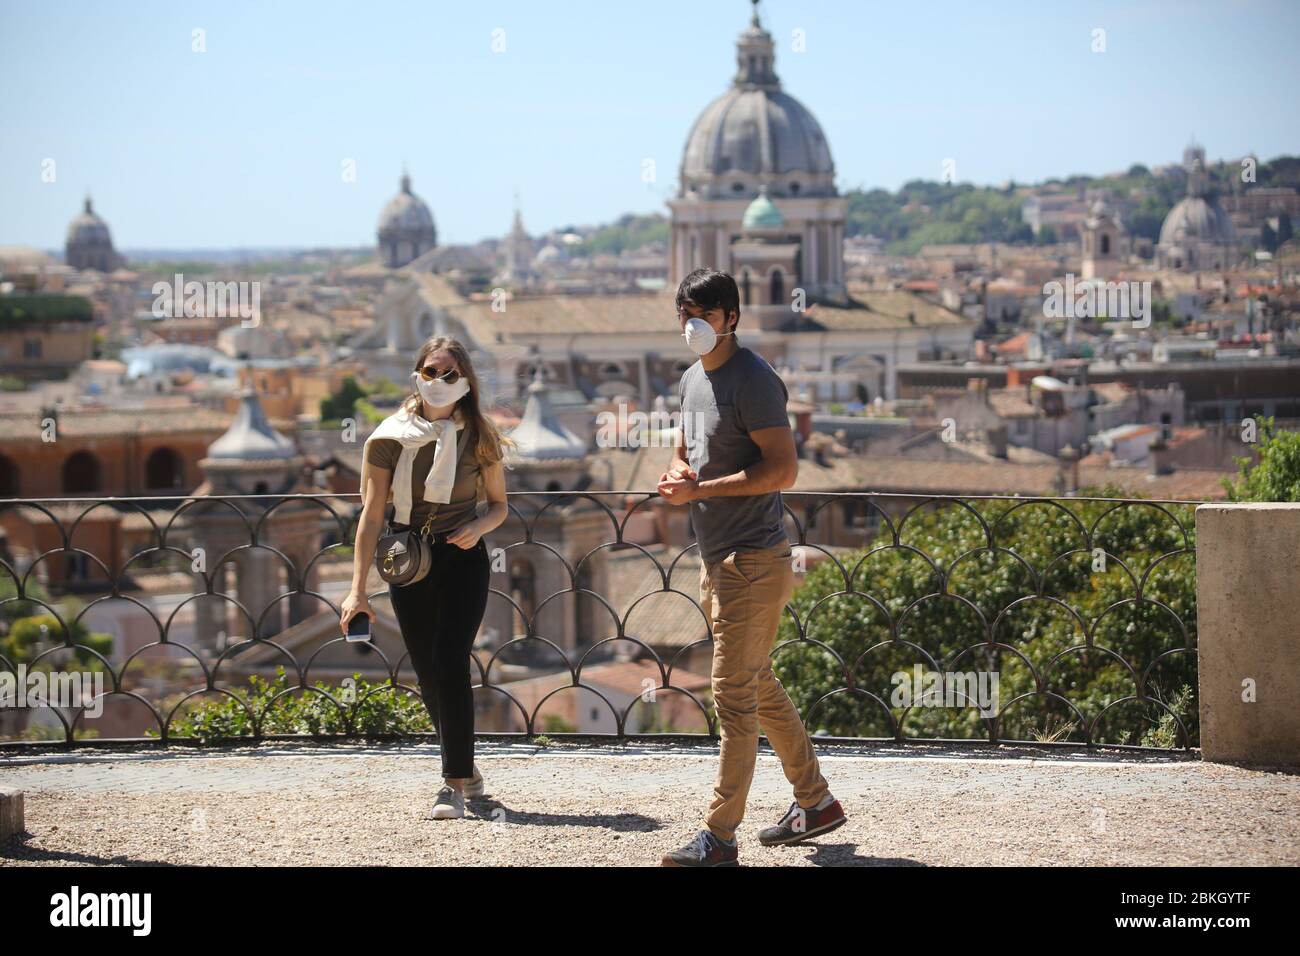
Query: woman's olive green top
[464, 493]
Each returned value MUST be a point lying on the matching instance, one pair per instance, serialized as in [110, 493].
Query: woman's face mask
[438, 393]
[700, 337]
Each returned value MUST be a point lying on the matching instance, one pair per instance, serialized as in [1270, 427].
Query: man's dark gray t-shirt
[719, 410]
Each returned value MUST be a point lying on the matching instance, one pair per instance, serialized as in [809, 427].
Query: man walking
[734, 454]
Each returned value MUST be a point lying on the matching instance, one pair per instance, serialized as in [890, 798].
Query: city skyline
[570, 119]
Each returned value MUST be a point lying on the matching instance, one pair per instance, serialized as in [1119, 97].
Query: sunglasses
[431, 374]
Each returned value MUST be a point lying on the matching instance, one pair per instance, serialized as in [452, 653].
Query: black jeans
[439, 616]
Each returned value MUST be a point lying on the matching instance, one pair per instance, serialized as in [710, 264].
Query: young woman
[431, 456]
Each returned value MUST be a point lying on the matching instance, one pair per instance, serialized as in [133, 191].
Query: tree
[1267, 237]
[21, 621]
[343, 403]
[1274, 474]
[26, 635]
[1284, 228]
[1145, 221]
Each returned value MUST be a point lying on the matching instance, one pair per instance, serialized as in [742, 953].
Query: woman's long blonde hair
[492, 444]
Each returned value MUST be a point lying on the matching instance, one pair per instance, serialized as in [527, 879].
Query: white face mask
[439, 393]
[700, 337]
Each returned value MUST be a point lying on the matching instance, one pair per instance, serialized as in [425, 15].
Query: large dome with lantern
[1197, 233]
[89, 244]
[755, 133]
[406, 229]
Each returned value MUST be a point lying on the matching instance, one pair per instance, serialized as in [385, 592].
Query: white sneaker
[475, 786]
[449, 805]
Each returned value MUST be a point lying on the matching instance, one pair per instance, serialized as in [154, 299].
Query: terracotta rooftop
[108, 423]
[641, 314]
[918, 476]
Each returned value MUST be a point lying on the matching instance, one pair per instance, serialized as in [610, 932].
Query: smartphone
[359, 628]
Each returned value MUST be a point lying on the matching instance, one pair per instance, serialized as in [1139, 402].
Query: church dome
[88, 229]
[406, 229]
[23, 259]
[405, 213]
[1197, 218]
[754, 133]
[549, 253]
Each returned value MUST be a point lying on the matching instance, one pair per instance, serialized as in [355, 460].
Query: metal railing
[1079, 611]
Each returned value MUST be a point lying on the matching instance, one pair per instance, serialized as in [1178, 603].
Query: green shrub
[1033, 635]
[372, 709]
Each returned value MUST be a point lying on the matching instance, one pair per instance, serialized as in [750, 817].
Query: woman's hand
[466, 537]
[355, 603]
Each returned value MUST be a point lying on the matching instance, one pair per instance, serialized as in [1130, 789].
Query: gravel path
[357, 804]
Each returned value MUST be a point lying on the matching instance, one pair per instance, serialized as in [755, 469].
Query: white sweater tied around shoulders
[414, 431]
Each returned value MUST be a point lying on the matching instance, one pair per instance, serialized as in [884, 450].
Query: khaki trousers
[745, 595]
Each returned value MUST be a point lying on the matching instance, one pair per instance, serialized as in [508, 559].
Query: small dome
[540, 435]
[21, 258]
[1197, 218]
[405, 213]
[762, 213]
[88, 229]
[250, 436]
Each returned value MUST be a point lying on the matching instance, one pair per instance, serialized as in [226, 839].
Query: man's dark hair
[709, 289]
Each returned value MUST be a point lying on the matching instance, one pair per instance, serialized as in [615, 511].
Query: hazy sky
[244, 144]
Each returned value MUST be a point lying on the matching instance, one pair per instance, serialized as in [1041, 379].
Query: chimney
[1158, 451]
[803, 424]
[1069, 469]
[997, 439]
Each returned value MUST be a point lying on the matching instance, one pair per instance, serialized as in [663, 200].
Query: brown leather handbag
[404, 557]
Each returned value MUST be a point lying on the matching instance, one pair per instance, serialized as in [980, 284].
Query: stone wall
[1248, 614]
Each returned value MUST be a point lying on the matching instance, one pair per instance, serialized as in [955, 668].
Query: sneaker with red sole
[704, 850]
[803, 823]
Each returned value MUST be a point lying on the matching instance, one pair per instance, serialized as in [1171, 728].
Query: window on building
[163, 469]
[8, 477]
[76, 567]
[81, 474]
